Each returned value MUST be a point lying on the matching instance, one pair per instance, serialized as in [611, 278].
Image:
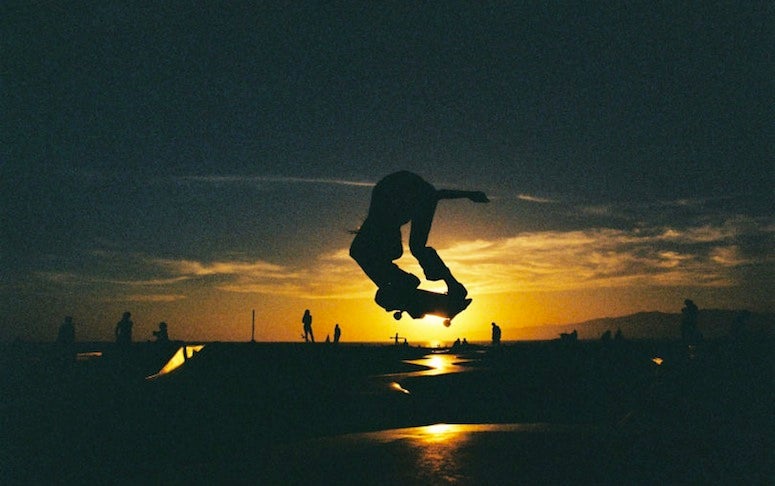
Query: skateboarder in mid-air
[397, 199]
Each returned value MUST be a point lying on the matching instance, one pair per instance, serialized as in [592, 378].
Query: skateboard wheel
[397, 315]
[447, 322]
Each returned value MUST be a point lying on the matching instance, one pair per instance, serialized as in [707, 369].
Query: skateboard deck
[418, 303]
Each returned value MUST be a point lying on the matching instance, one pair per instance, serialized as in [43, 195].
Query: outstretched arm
[475, 196]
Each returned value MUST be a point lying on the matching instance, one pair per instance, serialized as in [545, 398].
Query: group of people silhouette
[122, 331]
[606, 336]
[309, 336]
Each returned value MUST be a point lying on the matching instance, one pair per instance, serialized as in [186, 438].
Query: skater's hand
[478, 197]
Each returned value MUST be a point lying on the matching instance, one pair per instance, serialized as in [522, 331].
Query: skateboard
[418, 303]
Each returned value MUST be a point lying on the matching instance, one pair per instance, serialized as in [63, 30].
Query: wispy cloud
[192, 268]
[151, 298]
[602, 257]
[332, 275]
[709, 208]
[536, 199]
[273, 179]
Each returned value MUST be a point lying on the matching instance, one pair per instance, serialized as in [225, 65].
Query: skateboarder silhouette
[400, 198]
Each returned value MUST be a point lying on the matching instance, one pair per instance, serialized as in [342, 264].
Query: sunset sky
[192, 161]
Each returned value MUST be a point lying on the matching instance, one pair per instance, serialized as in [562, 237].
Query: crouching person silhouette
[401, 198]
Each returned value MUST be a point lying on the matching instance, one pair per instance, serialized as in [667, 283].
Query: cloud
[535, 199]
[600, 257]
[717, 210]
[273, 179]
[150, 298]
[60, 278]
[112, 287]
[534, 261]
[78, 279]
[192, 268]
[332, 275]
[709, 255]
[728, 256]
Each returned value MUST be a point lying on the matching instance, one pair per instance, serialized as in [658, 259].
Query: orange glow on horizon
[208, 314]
[228, 317]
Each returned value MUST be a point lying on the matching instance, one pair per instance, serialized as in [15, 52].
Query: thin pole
[253, 330]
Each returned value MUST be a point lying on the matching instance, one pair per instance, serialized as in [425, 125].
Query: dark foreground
[557, 412]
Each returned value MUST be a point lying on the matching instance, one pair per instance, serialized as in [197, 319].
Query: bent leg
[386, 274]
[429, 260]
[431, 263]
[375, 256]
[435, 269]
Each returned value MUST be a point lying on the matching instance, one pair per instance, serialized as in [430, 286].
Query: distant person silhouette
[123, 330]
[161, 335]
[400, 198]
[496, 335]
[337, 333]
[689, 332]
[306, 319]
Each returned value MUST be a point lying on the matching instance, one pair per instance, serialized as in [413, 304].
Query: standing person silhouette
[496, 334]
[337, 333]
[124, 330]
[306, 319]
[397, 199]
[689, 332]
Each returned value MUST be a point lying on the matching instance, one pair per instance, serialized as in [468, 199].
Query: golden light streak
[397, 386]
[183, 354]
[435, 433]
[438, 364]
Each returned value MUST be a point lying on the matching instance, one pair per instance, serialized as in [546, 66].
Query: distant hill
[713, 323]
